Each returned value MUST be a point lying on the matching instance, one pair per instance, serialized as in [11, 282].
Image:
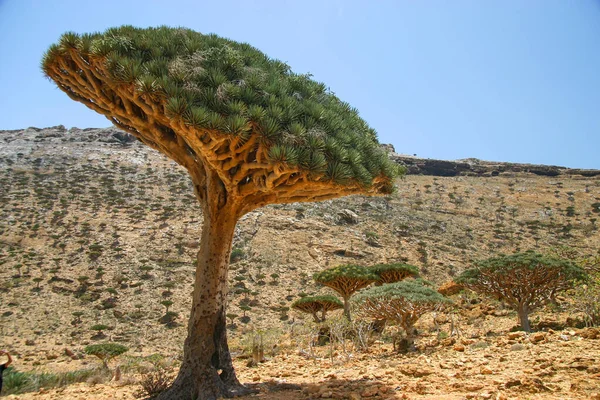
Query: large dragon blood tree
[248, 130]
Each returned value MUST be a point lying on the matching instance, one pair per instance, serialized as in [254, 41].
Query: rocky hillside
[92, 221]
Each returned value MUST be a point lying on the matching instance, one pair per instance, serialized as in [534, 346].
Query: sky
[509, 80]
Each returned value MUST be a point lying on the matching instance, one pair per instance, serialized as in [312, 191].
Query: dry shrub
[154, 381]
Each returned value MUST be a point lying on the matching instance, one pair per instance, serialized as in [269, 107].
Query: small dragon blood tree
[105, 351]
[318, 304]
[248, 130]
[390, 273]
[346, 280]
[402, 302]
[525, 281]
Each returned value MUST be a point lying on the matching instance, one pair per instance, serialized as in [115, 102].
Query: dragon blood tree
[402, 302]
[390, 273]
[318, 304]
[249, 132]
[525, 281]
[346, 280]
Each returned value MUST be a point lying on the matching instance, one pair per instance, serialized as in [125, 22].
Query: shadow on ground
[331, 388]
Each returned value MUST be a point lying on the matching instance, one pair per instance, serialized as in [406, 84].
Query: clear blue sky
[497, 80]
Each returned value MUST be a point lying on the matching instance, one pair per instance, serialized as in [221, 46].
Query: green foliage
[167, 304]
[529, 260]
[407, 291]
[105, 351]
[389, 273]
[403, 302]
[345, 271]
[99, 328]
[327, 299]
[317, 304]
[526, 280]
[209, 82]
[236, 254]
[18, 382]
[346, 280]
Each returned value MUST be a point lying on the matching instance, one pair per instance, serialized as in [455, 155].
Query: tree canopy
[516, 276]
[413, 292]
[338, 275]
[315, 304]
[105, 351]
[346, 280]
[403, 302]
[390, 273]
[225, 104]
[526, 280]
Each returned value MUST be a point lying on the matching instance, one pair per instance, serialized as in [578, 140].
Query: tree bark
[523, 312]
[347, 308]
[316, 317]
[207, 370]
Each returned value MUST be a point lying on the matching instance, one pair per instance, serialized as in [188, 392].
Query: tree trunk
[316, 317]
[407, 343]
[207, 370]
[347, 308]
[523, 312]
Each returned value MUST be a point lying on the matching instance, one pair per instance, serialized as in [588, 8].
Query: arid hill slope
[93, 221]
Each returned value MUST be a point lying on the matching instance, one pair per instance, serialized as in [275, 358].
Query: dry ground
[79, 204]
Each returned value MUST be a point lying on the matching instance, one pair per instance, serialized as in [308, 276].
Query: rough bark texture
[207, 370]
[347, 308]
[523, 311]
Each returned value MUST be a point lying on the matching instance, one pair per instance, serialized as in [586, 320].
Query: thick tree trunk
[407, 343]
[523, 312]
[207, 370]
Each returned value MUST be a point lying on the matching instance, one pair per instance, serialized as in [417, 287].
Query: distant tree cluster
[348, 279]
[391, 299]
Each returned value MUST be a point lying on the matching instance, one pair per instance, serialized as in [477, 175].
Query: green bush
[236, 255]
[18, 382]
[99, 328]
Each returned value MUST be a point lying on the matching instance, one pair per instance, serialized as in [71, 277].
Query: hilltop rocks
[475, 167]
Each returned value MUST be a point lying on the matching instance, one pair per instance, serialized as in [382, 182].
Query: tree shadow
[328, 388]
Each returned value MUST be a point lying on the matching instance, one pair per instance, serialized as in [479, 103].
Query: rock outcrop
[476, 167]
